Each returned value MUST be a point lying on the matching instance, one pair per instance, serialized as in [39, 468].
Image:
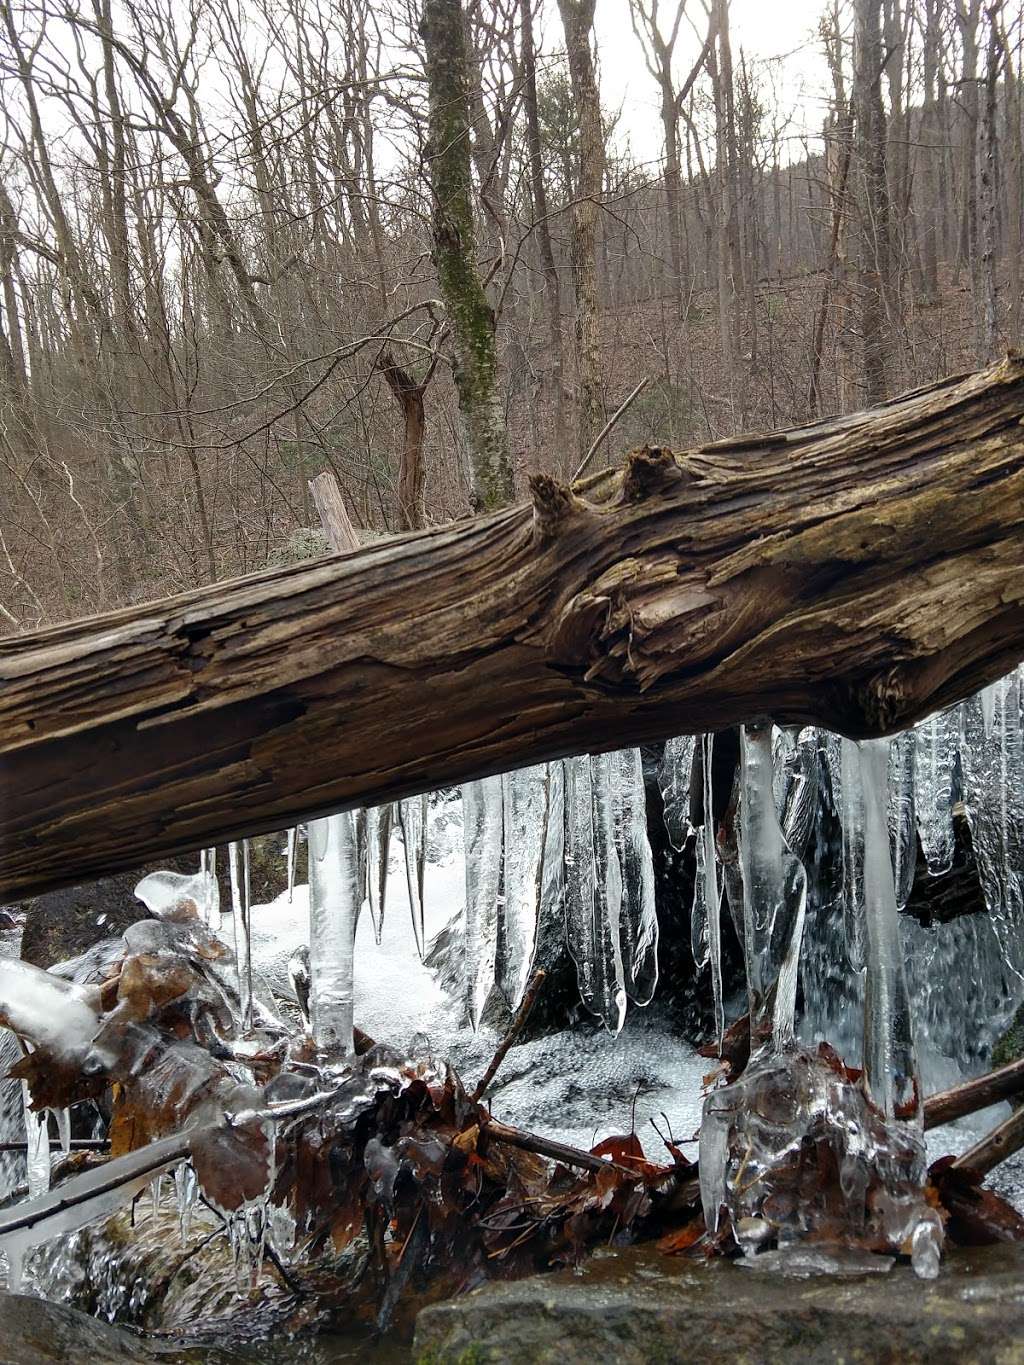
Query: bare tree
[578, 23]
[470, 315]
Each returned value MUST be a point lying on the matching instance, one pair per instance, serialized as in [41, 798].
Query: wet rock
[63, 924]
[1010, 1047]
[33, 1332]
[638, 1306]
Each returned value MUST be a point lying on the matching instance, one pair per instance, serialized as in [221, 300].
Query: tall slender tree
[471, 317]
[578, 23]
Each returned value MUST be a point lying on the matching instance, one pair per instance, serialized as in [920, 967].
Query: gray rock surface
[33, 1332]
[641, 1308]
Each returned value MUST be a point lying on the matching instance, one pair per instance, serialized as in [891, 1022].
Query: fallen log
[858, 573]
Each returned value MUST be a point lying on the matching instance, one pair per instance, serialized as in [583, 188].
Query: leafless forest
[243, 241]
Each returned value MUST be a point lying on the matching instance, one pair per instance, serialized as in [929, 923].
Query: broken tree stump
[858, 573]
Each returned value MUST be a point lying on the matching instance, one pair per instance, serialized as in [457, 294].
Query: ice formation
[378, 849]
[412, 822]
[527, 811]
[890, 1068]
[593, 889]
[238, 869]
[60, 1016]
[559, 853]
[180, 896]
[936, 742]
[707, 896]
[774, 895]
[334, 899]
[483, 832]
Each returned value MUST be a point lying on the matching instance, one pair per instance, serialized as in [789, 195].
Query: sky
[781, 32]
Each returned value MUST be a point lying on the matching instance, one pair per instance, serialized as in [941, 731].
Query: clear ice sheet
[902, 814]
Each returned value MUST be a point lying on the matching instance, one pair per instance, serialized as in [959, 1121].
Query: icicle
[797, 765]
[412, 820]
[638, 924]
[155, 1191]
[593, 891]
[987, 701]
[37, 1136]
[238, 873]
[62, 1119]
[186, 1194]
[333, 906]
[699, 945]
[526, 808]
[774, 894]
[852, 810]
[293, 845]
[378, 849]
[890, 1069]
[992, 757]
[247, 918]
[712, 893]
[935, 743]
[902, 817]
[483, 822]
[674, 774]
[209, 908]
[551, 925]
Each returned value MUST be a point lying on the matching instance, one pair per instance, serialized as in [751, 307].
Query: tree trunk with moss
[470, 316]
[578, 22]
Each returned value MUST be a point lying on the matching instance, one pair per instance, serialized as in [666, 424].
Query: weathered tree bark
[857, 573]
[333, 514]
[408, 394]
[578, 23]
[873, 198]
[469, 314]
[538, 191]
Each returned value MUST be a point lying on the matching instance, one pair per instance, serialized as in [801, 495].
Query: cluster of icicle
[559, 844]
[888, 793]
[561, 849]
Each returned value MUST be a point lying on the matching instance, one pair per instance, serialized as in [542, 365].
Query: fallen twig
[608, 426]
[968, 1098]
[995, 1147]
[516, 1027]
[557, 1151]
[76, 1145]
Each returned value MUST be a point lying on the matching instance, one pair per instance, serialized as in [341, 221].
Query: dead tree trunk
[857, 573]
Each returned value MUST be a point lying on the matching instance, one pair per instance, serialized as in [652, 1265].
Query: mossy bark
[448, 161]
